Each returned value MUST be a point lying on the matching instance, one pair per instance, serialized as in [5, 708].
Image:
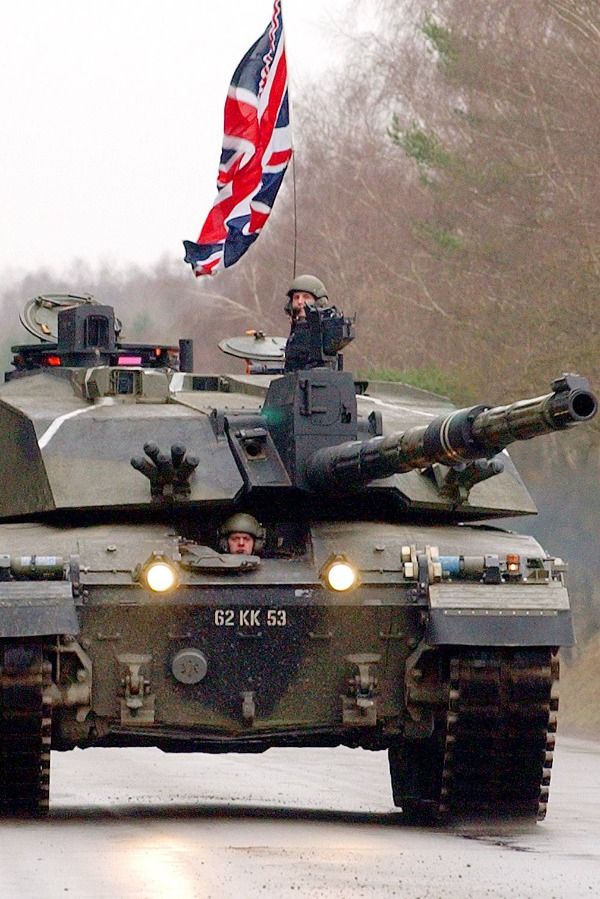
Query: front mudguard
[475, 614]
[37, 609]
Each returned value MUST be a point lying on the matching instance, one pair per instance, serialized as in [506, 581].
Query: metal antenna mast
[293, 165]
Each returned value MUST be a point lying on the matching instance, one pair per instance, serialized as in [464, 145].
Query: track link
[25, 728]
[499, 734]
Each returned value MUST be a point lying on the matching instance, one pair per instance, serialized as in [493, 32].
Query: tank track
[25, 728]
[499, 734]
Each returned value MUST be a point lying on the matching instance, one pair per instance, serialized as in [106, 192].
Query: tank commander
[241, 534]
[303, 289]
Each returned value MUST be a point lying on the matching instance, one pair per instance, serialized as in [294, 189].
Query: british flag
[256, 152]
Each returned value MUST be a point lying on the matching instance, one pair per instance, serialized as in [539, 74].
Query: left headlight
[339, 574]
[159, 574]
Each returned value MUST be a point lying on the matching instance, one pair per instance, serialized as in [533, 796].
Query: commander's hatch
[76, 331]
[264, 355]
[40, 315]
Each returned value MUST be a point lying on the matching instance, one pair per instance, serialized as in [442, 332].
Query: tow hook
[359, 706]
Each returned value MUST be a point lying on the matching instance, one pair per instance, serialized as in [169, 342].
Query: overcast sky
[112, 119]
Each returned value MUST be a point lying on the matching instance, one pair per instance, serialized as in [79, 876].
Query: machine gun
[317, 340]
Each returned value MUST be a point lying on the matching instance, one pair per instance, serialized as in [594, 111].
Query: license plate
[250, 617]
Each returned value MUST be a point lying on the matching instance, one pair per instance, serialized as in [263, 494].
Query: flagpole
[295, 213]
[294, 191]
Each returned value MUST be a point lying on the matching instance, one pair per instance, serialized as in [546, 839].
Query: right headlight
[339, 574]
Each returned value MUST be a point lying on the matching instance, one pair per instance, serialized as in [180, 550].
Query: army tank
[383, 610]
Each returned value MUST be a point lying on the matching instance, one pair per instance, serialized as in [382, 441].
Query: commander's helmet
[309, 284]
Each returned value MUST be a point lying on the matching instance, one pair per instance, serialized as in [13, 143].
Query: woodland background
[447, 192]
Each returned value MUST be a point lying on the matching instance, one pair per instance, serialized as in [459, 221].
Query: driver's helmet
[244, 523]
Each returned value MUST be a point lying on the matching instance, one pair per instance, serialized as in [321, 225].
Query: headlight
[159, 575]
[340, 575]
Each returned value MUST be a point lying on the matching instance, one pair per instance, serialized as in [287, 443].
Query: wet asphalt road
[297, 823]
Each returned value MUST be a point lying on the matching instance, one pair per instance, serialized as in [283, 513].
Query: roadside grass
[579, 710]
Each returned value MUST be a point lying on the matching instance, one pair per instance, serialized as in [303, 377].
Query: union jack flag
[256, 151]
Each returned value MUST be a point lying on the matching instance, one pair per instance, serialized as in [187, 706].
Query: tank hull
[273, 657]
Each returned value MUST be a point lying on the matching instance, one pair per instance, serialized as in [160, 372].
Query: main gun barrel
[479, 432]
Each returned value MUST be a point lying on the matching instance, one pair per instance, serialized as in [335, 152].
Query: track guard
[462, 614]
[37, 609]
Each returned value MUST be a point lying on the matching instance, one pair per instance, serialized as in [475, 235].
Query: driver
[241, 534]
